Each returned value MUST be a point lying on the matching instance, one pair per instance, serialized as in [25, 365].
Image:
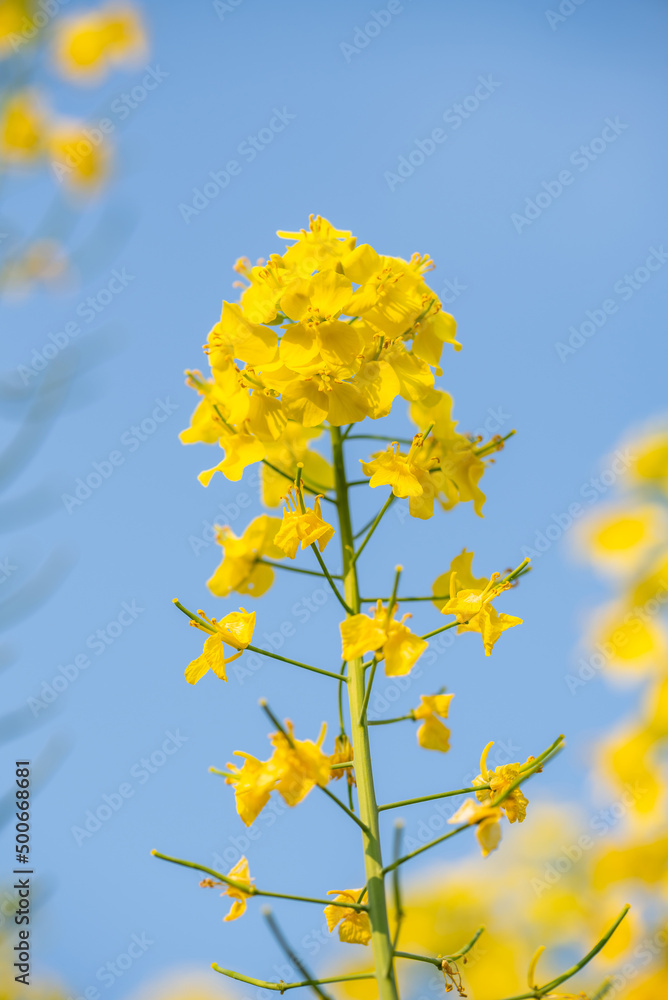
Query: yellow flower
[303, 525]
[77, 162]
[253, 782]
[240, 569]
[234, 630]
[318, 248]
[241, 449]
[499, 780]
[474, 612]
[354, 925]
[13, 17]
[461, 566]
[649, 460]
[629, 641]
[23, 127]
[406, 477]
[389, 639]
[343, 752]
[432, 734]
[619, 540]
[234, 336]
[300, 764]
[291, 449]
[456, 468]
[87, 46]
[241, 874]
[318, 337]
[486, 818]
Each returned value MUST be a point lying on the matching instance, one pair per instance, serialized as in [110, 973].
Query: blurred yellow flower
[432, 734]
[354, 925]
[88, 45]
[649, 460]
[619, 540]
[23, 128]
[391, 640]
[15, 16]
[486, 818]
[79, 162]
[241, 569]
[234, 630]
[305, 526]
[630, 641]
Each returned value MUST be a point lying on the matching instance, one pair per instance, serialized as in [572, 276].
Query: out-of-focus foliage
[43, 48]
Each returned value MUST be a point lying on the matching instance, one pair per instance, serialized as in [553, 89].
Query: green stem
[282, 987]
[378, 437]
[438, 962]
[386, 722]
[291, 955]
[342, 724]
[430, 798]
[536, 766]
[309, 489]
[367, 692]
[540, 991]
[293, 569]
[492, 446]
[362, 825]
[367, 538]
[402, 600]
[296, 663]
[330, 581]
[444, 628]
[334, 798]
[373, 862]
[251, 890]
[398, 908]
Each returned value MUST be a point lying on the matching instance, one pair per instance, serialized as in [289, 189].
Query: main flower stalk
[381, 941]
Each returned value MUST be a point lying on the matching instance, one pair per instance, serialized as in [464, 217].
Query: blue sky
[541, 190]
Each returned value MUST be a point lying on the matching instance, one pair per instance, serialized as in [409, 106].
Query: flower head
[77, 163]
[354, 925]
[234, 630]
[486, 819]
[299, 764]
[253, 782]
[302, 524]
[432, 734]
[343, 752]
[242, 569]
[22, 128]
[87, 45]
[406, 474]
[619, 540]
[499, 781]
[380, 633]
[241, 875]
[474, 612]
